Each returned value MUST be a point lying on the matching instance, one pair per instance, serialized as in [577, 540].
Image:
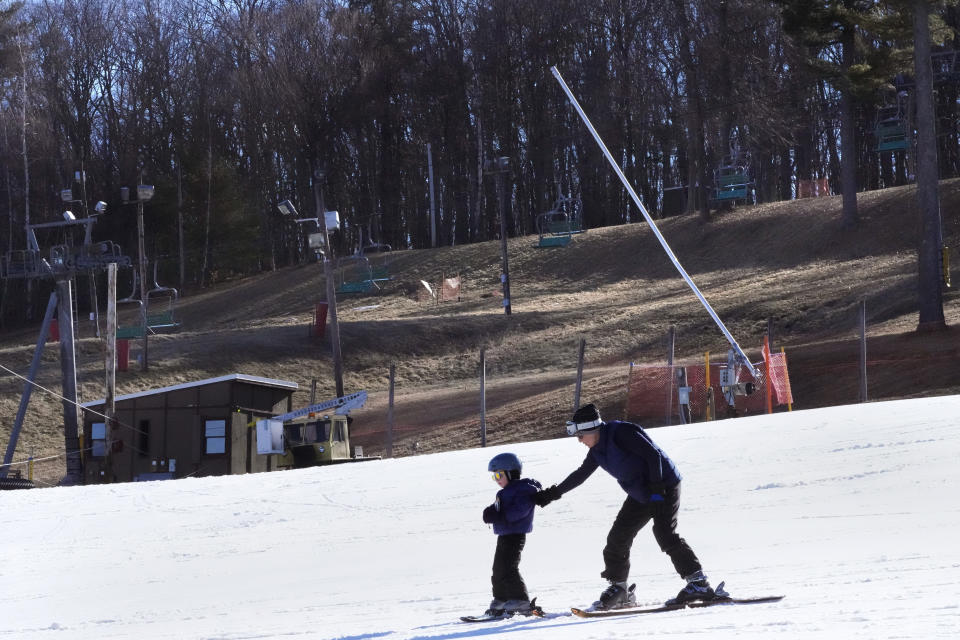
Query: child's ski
[535, 610]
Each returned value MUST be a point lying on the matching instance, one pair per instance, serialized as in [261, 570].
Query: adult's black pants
[633, 517]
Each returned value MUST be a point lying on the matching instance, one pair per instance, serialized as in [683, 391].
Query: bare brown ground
[787, 262]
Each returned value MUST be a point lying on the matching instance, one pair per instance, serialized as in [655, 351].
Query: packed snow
[852, 513]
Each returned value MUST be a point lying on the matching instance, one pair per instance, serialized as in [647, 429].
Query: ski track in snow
[851, 512]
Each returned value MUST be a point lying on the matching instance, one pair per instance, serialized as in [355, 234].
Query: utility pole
[329, 264]
[499, 168]
[69, 377]
[433, 206]
[144, 193]
[110, 365]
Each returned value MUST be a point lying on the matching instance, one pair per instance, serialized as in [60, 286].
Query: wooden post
[142, 266]
[576, 391]
[68, 370]
[671, 338]
[626, 404]
[313, 391]
[483, 397]
[109, 406]
[863, 350]
[329, 264]
[389, 448]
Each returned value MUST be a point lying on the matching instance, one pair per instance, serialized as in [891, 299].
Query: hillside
[787, 262]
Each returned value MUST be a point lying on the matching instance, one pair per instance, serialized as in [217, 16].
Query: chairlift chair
[379, 255]
[163, 320]
[890, 131]
[354, 275]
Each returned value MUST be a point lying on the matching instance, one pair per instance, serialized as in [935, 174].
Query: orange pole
[786, 378]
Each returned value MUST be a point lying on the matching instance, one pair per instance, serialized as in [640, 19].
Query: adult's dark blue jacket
[513, 510]
[626, 452]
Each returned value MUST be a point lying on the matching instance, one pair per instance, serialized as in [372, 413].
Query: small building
[197, 428]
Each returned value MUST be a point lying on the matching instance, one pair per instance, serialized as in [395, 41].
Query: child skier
[512, 518]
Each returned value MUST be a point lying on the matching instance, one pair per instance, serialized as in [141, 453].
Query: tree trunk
[848, 145]
[928, 197]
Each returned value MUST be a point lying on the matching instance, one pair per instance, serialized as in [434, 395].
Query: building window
[215, 432]
[98, 439]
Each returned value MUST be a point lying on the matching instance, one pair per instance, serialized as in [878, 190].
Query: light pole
[499, 168]
[144, 193]
[324, 219]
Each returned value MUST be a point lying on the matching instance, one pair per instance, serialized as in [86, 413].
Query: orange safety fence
[653, 392]
[818, 188]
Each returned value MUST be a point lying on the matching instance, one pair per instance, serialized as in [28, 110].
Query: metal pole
[143, 282]
[483, 397]
[653, 227]
[329, 264]
[576, 392]
[863, 350]
[393, 374]
[671, 339]
[28, 385]
[433, 205]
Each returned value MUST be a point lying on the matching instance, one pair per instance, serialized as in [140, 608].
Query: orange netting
[653, 392]
[819, 188]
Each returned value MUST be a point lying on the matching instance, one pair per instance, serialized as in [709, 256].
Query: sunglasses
[499, 475]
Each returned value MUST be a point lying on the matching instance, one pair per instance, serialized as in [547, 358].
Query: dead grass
[787, 262]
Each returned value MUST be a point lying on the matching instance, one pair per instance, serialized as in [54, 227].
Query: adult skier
[652, 483]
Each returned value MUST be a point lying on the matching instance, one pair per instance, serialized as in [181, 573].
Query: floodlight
[66, 195]
[68, 216]
[100, 207]
[144, 191]
[286, 208]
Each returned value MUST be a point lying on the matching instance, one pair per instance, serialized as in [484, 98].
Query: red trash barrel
[320, 319]
[123, 354]
[54, 334]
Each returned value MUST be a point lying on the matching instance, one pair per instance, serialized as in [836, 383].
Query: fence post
[708, 411]
[626, 405]
[863, 350]
[671, 338]
[393, 373]
[483, 397]
[576, 391]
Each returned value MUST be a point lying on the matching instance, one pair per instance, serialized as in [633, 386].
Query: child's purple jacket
[513, 510]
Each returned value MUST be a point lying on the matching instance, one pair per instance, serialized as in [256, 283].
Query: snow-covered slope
[850, 512]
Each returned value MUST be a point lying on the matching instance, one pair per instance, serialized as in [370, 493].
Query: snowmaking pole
[673, 258]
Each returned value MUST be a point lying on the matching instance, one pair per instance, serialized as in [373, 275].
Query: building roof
[238, 377]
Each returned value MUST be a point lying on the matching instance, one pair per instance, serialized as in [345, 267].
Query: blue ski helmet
[506, 462]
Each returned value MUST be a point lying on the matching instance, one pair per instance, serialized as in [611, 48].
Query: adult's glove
[546, 496]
